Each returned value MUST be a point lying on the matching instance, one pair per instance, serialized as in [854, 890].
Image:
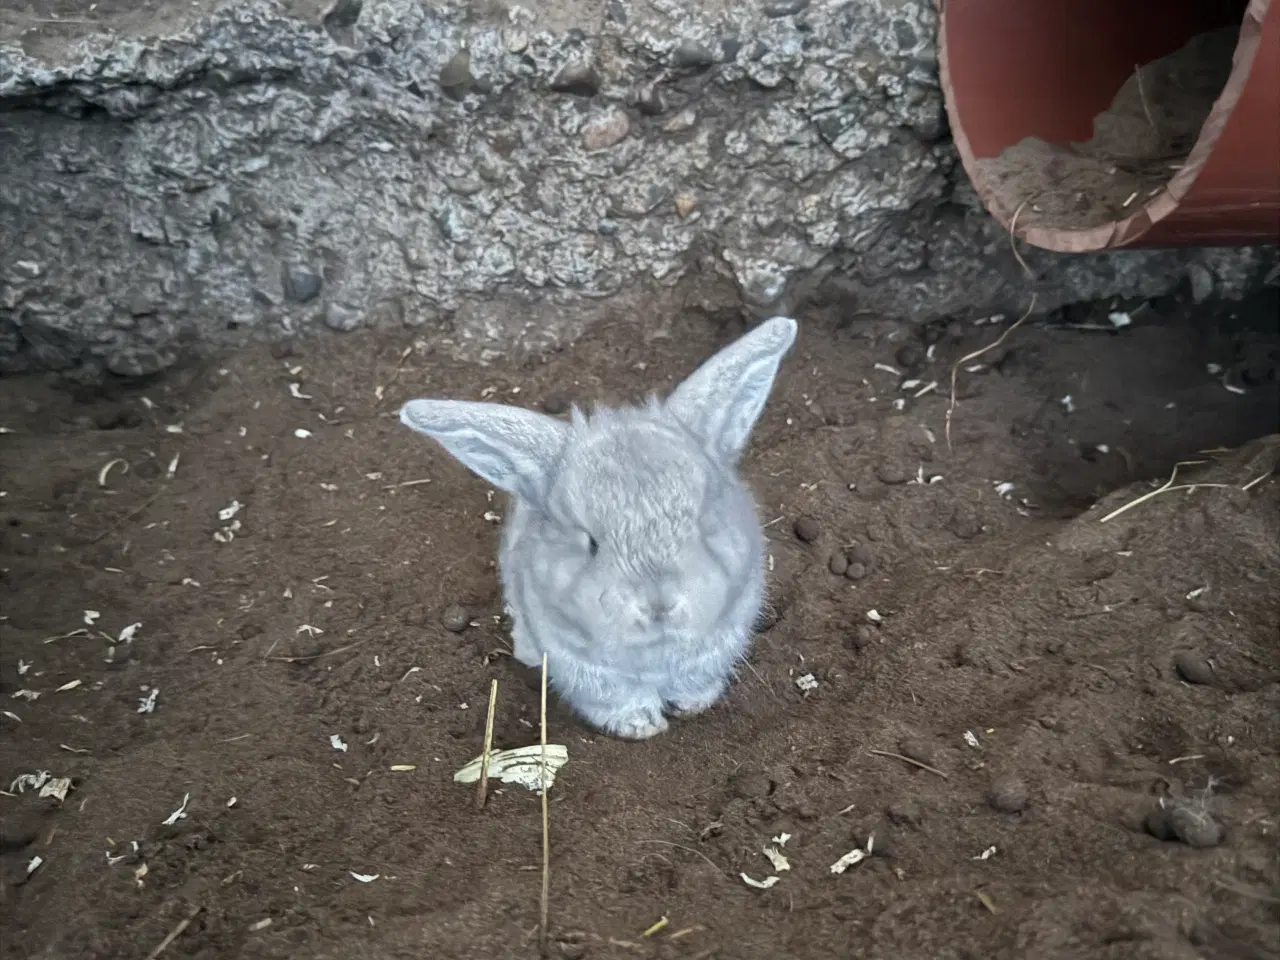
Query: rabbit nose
[659, 608]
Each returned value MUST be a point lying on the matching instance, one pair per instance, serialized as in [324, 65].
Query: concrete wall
[495, 173]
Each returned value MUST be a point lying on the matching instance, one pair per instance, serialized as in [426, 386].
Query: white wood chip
[764, 884]
[57, 788]
[179, 814]
[365, 877]
[337, 742]
[780, 862]
[854, 857]
[29, 781]
[521, 766]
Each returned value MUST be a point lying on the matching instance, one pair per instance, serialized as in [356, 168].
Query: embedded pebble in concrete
[606, 130]
[302, 284]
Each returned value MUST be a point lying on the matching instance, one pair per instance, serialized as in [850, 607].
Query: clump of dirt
[249, 623]
[1139, 143]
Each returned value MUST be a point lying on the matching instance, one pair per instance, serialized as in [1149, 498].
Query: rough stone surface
[265, 169]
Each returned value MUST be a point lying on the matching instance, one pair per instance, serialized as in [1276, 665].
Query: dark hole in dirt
[1139, 142]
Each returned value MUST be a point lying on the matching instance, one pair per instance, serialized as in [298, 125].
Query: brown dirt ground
[1026, 621]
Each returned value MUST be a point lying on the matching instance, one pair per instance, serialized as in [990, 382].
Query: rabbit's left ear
[513, 448]
[721, 400]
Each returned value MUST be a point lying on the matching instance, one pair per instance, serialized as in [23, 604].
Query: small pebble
[859, 637]
[904, 813]
[807, 529]
[910, 355]
[1193, 669]
[556, 404]
[750, 785]
[838, 563]
[917, 750]
[1194, 828]
[861, 553]
[282, 349]
[881, 837]
[855, 571]
[1157, 823]
[455, 618]
[891, 474]
[1007, 794]
[605, 131]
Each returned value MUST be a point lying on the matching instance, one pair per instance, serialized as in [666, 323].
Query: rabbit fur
[632, 553]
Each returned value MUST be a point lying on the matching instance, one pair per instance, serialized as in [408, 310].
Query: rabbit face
[643, 538]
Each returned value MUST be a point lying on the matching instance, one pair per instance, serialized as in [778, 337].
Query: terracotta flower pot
[1013, 69]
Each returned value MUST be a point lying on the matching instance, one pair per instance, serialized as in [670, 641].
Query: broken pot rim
[1117, 233]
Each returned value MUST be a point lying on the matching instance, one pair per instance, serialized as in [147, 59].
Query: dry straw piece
[482, 791]
[544, 907]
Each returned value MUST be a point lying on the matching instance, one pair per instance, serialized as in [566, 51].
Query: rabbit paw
[638, 722]
[692, 704]
[640, 726]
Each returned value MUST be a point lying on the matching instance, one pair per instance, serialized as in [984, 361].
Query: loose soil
[1065, 678]
[1139, 142]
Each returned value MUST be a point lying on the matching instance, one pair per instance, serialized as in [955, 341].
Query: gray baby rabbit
[632, 553]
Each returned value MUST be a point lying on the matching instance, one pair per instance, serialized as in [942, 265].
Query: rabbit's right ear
[721, 400]
[512, 448]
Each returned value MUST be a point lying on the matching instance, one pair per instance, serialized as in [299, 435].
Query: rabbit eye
[593, 547]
